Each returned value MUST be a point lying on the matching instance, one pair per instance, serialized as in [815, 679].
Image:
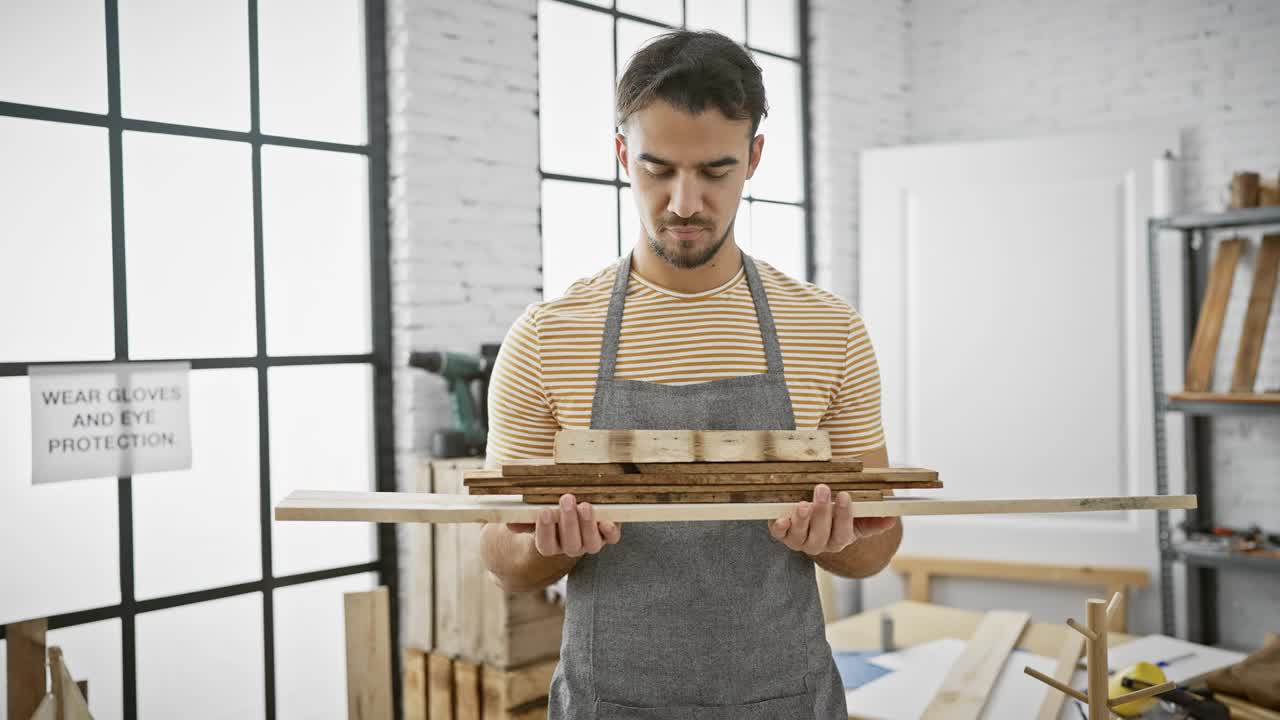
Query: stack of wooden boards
[439, 687]
[684, 466]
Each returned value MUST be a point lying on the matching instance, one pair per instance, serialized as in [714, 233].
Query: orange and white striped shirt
[545, 375]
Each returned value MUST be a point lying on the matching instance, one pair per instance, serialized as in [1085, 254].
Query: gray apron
[694, 620]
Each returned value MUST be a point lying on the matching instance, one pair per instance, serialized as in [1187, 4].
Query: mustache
[697, 221]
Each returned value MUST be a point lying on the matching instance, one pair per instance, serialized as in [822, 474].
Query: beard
[687, 258]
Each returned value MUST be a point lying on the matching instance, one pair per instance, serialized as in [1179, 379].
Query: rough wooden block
[547, 466]
[899, 477]
[413, 684]
[25, 666]
[439, 686]
[673, 446]
[509, 690]
[1256, 316]
[466, 690]
[368, 630]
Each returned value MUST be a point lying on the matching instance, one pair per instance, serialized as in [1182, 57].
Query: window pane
[579, 233]
[666, 11]
[54, 53]
[185, 62]
[315, 234]
[73, 569]
[189, 229]
[202, 661]
[632, 36]
[311, 674]
[55, 222]
[630, 219]
[92, 652]
[575, 88]
[772, 25]
[177, 551]
[742, 228]
[779, 176]
[724, 16]
[777, 237]
[311, 69]
[321, 439]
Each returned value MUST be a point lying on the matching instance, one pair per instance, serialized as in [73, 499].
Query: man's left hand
[824, 526]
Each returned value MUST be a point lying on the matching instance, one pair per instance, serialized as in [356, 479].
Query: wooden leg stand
[1095, 641]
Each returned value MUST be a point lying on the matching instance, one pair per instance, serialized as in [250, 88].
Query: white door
[1005, 288]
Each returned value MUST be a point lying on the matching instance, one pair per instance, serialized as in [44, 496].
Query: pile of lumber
[685, 466]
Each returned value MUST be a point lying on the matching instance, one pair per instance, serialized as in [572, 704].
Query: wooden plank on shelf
[895, 476]
[1255, 319]
[25, 666]
[548, 466]
[1070, 654]
[668, 446]
[1264, 399]
[367, 618]
[719, 496]
[966, 686]
[1213, 308]
[439, 686]
[335, 505]
[413, 684]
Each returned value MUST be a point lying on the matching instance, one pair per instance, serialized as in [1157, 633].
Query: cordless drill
[467, 412]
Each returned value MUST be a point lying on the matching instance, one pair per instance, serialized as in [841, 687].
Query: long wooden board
[548, 466]
[1070, 654]
[719, 496]
[966, 686]
[688, 489]
[332, 505]
[1213, 309]
[1256, 316]
[368, 637]
[898, 477]
[25, 666]
[678, 446]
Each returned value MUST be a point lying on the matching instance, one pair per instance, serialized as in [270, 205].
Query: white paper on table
[1158, 648]
[917, 675]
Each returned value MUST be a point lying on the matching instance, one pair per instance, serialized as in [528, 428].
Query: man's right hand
[573, 531]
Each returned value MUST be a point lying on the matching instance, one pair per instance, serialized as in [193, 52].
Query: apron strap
[764, 316]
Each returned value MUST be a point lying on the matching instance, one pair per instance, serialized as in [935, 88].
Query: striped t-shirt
[545, 375]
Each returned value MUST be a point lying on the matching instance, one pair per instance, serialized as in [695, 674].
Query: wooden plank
[1068, 656]
[1087, 575]
[368, 629]
[439, 686]
[1255, 318]
[897, 476]
[448, 602]
[47, 709]
[676, 489]
[667, 446]
[1204, 346]
[1228, 398]
[546, 466]
[337, 505]
[755, 496]
[506, 690]
[413, 684]
[466, 690]
[25, 666]
[418, 563]
[70, 704]
[964, 690]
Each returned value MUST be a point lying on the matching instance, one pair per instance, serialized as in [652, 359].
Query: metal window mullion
[806, 141]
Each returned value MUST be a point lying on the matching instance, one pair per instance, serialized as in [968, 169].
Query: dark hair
[693, 70]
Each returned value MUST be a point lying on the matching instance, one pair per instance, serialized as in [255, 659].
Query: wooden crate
[474, 619]
[440, 687]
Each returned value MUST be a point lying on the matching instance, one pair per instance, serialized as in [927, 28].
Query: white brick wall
[466, 254]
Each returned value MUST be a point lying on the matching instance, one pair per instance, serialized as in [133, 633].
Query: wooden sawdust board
[440, 508]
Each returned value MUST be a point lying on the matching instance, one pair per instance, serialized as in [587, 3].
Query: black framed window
[583, 47]
[202, 182]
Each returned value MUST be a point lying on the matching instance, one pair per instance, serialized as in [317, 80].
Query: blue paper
[856, 668]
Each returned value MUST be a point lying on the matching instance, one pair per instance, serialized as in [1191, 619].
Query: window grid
[375, 150]
[802, 25]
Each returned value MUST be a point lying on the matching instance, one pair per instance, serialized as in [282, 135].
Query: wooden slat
[964, 690]
[46, 710]
[547, 466]
[439, 686]
[1255, 318]
[897, 477]
[756, 496]
[1088, 575]
[25, 666]
[368, 631]
[70, 703]
[466, 690]
[418, 562]
[449, 615]
[1272, 398]
[505, 690]
[668, 446]
[676, 489]
[1096, 657]
[413, 684]
[1204, 346]
[335, 505]
[1068, 656]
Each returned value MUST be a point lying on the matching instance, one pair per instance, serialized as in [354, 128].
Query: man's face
[687, 173]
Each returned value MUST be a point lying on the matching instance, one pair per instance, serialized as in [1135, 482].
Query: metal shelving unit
[1197, 411]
